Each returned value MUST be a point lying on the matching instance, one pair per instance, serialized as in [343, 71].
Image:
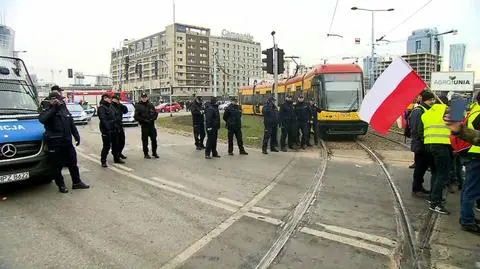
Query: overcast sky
[79, 34]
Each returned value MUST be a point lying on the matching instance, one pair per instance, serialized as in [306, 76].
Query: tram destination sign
[237, 36]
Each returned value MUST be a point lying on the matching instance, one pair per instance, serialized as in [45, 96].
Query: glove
[77, 142]
[209, 129]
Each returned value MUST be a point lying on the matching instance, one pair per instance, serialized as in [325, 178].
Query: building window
[179, 52]
[179, 38]
[180, 59]
[418, 45]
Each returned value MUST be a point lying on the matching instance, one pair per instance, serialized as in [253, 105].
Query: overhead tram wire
[405, 20]
[333, 17]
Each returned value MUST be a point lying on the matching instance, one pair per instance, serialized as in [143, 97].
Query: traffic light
[70, 73]
[155, 66]
[268, 61]
[280, 61]
[140, 67]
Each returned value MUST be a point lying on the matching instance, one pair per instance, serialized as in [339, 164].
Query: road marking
[65, 171]
[237, 203]
[167, 182]
[369, 237]
[347, 241]
[449, 266]
[80, 149]
[121, 166]
[192, 249]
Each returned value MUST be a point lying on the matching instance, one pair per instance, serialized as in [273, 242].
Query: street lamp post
[372, 63]
[16, 52]
[275, 69]
[437, 46]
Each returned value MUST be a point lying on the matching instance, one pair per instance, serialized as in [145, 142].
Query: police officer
[314, 110]
[270, 122]
[120, 110]
[212, 122]
[287, 120]
[108, 116]
[59, 129]
[436, 137]
[233, 118]
[198, 121]
[146, 115]
[303, 113]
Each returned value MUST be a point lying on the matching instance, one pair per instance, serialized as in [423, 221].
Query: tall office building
[367, 70]
[7, 39]
[425, 41]
[457, 57]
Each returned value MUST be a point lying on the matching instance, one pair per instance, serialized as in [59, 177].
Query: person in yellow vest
[436, 137]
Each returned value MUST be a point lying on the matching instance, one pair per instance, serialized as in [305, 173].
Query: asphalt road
[183, 211]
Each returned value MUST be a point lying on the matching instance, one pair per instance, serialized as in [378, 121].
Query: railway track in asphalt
[402, 144]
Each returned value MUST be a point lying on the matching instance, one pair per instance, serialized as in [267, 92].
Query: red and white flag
[391, 94]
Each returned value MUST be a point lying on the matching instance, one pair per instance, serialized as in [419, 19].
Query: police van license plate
[14, 177]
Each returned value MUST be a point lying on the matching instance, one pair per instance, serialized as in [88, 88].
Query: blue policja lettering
[11, 127]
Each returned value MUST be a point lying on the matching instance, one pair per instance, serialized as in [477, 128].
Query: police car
[23, 151]
[78, 113]
[129, 117]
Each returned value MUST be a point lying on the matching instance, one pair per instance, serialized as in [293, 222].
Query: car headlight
[83, 115]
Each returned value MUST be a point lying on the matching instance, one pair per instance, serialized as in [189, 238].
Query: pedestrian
[212, 122]
[436, 137]
[287, 121]
[59, 129]
[270, 122]
[198, 121]
[303, 113]
[107, 115]
[146, 115]
[314, 110]
[422, 159]
[120, 110]
[233, 118]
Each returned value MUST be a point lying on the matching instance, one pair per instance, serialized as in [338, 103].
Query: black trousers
[288, 131]
[121, 140]
[63, 156]
[149, 131]
[316, 131]
[212, 137]
[110, 141]
[270, 133]
[199, 134]
[237, 132]
[423, 160]
[303, 128]
[442, 162]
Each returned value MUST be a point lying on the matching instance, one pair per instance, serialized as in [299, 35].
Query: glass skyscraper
[7, 37]
[457, 57]
[425, 41]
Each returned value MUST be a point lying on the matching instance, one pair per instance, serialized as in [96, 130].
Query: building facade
[457, 57]
[425, 41]
[423, 63]
[238, 60]
[7, 39]
[175, 60]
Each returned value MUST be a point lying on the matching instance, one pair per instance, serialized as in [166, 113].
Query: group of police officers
[431, 143]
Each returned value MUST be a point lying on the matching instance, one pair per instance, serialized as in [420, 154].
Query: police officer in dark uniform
[233, 118]
[107, 116]
[314, 110]
[303, 113]
[198, 121]
[212, 122]
[146, 115]
[287, 121]
[120, 110]
[59, 129]
[270, 122]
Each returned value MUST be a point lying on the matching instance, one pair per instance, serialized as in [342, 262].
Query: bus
[337, 89]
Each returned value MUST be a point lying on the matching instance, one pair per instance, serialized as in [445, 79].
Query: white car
[224, 105]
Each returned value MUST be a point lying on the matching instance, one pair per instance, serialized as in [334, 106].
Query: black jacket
[120, 109]
[59, 126]
[212, 116]
[270, 115]
[416, 127]
[314, 110]
[107, 116]
[233, 116]
[145, 113]
[197, 111]
[286, 115]
[303, 112]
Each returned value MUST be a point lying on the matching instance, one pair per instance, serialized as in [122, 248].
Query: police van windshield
[16, 97]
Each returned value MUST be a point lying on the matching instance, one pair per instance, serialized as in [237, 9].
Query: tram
[337, 89]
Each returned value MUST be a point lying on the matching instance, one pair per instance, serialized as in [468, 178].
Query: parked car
[160, 107]
[174, 107]
[129, 117]
[78, 113]
[224, 105]
[90, 110]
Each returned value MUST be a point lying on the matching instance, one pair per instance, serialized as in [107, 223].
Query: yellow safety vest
[473, 115]
[435, 131]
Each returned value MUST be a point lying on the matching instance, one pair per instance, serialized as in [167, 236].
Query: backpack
[407, 131]
[459, 145]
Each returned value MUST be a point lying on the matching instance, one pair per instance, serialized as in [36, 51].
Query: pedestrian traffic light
[280, 61]
[268, 61]
[155, 66]
[70, 73]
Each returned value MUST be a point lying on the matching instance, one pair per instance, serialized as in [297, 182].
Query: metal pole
[275, 73]
[171, 89]
[214, 72]
[372, 66]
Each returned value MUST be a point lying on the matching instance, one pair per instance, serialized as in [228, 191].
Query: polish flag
[390, 96]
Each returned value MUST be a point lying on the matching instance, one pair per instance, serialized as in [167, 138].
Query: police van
[23, 151]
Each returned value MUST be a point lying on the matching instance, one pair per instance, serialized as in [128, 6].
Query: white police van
[23, 152]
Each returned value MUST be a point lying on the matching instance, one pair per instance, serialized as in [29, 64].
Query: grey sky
[59, 34]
